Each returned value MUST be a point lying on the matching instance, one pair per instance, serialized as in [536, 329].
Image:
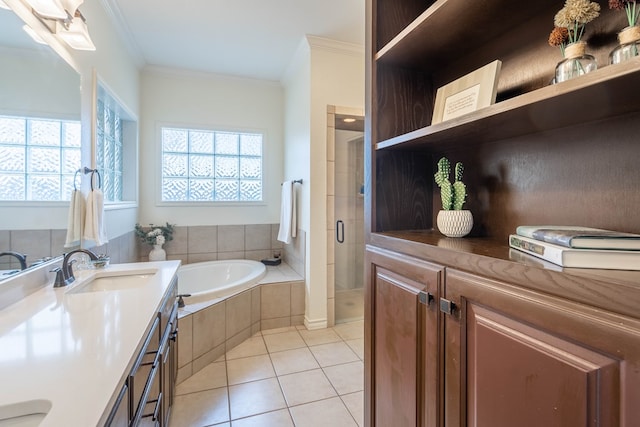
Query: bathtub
[214, 280]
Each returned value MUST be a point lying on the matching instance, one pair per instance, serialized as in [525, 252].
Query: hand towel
[287, 212]
[94, 227]
[75, 219]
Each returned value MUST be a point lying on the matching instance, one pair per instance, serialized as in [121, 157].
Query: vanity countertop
[73, 348]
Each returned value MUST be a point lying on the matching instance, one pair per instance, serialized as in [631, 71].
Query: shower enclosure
[349, 226]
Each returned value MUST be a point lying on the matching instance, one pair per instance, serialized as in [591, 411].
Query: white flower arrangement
[157, 235]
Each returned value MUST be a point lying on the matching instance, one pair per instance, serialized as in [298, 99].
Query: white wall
[324, 73]
[118, 70]
[180, 98]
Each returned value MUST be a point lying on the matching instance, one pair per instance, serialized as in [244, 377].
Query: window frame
[209, 128]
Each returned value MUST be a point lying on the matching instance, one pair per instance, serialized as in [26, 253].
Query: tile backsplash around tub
[201, 243]
[190, 244]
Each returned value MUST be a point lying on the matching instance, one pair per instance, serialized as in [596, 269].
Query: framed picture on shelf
[467, 94]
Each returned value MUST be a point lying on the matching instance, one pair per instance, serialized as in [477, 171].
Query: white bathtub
[218, 279]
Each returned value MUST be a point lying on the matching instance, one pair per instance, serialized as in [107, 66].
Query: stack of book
[579, 247]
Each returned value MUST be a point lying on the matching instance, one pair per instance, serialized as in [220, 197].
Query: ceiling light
[48, 8]
[75, 33]
[3, 5]
[349, 120]
[27, 29]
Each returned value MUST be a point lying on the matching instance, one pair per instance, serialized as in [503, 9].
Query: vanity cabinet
[448, 348]
[518, 357]
[519, 341]
[403, 319]
[148, 392]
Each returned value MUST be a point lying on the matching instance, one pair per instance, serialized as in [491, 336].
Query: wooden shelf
[451, 27]
[602, 94]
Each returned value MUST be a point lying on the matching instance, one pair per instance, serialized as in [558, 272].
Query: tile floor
[280, 378]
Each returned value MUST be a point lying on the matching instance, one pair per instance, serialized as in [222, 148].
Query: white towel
[288, 220]
[94, 228]
[75, 219]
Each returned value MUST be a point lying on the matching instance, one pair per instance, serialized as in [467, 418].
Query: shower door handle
[340, 231]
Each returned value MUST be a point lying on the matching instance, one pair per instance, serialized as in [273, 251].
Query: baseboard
[315, 324]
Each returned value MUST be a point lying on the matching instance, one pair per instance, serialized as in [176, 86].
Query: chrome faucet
[67, 268]
[21, 257]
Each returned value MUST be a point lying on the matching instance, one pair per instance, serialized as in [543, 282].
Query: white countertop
[74, 348]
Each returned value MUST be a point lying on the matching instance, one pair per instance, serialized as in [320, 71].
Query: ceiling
[248, 38]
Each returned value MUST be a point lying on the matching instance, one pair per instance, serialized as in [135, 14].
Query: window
[205, 166]
[38, 158]
[109, 151]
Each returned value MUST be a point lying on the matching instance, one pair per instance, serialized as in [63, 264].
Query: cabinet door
[401, 341]
[517, 357]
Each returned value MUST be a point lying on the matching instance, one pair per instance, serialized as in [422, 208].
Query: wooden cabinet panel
[402, 343]
[516, 357]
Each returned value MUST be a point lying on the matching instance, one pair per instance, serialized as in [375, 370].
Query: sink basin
[24, 414]
[116, 281]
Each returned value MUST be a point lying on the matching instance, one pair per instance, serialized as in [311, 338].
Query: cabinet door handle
[447, 307]
[425, 298]
[340, 231]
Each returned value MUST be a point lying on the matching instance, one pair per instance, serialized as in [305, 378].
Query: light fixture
[27, 29]
[349, 120]
[75, 32]
[3, 5]
[57, 9]
[48, 8]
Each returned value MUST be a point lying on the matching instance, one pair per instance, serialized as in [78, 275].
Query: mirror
[34, 82]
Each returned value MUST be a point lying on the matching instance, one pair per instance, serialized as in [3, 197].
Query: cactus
[453, 195]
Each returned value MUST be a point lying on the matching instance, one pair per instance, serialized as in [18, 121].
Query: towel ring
[75, 177]
[95, 171]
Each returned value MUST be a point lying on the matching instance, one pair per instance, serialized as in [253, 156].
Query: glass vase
[576, 62]
[629, 45]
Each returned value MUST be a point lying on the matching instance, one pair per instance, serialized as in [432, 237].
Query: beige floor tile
[350, 331]
[319, 336]
[355, 404]
[254, 346]
[249, 369]
[346, 378]
[305, 387]
[212, 376]
[279, 330]
[284, 341]
[255, 398]
[357, 346]
[291, 361]
[280, 418]
[333, 354]
[330, 412]
[200, 409]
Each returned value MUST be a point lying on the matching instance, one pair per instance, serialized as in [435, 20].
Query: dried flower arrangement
[570, 22]
[156, 234]
[633, 12]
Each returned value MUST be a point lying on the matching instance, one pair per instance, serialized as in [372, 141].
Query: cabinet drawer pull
[447, 307]
[425, 298]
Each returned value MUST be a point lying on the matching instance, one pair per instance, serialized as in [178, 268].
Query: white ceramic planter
[455, 223]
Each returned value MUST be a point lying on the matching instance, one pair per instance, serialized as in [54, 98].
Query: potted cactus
[452, 220]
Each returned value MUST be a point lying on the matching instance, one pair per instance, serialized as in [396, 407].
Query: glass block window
[211, 166]
[109, 151]
[38, 158]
